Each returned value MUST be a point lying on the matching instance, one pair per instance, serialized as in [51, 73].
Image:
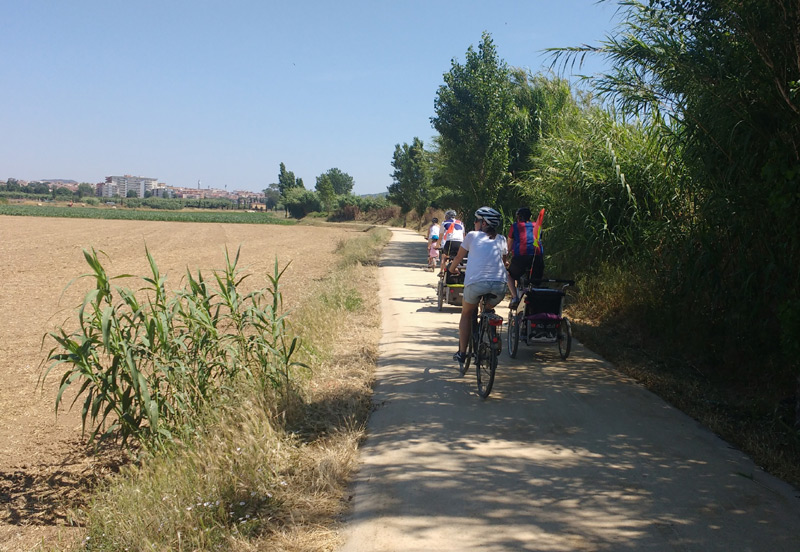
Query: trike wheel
[514, 321]
[564, 338]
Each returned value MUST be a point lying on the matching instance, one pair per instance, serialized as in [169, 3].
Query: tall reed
[145, 362]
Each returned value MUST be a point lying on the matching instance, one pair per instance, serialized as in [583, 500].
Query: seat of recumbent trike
[543, 304]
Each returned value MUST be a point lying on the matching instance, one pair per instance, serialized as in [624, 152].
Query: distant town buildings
[141, 186]
[122, 185]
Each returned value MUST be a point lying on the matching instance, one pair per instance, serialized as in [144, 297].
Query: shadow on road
[564, 455]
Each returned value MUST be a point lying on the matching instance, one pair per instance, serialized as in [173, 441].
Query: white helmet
[492, 217]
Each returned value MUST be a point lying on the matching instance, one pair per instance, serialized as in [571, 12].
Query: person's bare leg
[465, 325]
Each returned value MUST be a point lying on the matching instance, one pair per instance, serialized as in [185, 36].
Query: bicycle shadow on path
[564, 455]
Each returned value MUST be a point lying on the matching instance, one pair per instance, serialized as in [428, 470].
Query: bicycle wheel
[564, 338]
[440, 293]
[513, 333]
[486, 360]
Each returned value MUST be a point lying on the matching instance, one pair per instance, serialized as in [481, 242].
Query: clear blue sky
[223, 92]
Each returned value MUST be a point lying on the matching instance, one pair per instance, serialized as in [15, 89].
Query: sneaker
[514, 303]
[460, 357]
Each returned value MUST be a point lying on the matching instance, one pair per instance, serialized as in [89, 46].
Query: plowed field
[43, 462]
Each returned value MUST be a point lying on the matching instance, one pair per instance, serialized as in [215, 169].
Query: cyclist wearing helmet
[525, 246]
[433, 243]
[486, 271]
[450, 237]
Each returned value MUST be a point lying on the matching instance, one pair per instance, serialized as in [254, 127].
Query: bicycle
[484, 345]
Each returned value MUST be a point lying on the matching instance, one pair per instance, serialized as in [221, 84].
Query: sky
[217, 94]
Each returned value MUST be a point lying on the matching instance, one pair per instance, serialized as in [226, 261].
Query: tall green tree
[326, 191]
[411, 184]
[473, 109]
[272, 196]
[86, 190]
[341, 181]
[537, 104]
[287, 181]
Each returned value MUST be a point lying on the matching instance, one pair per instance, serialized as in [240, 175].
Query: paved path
[563, 456]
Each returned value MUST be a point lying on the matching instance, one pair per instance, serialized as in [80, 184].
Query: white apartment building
[121, 185]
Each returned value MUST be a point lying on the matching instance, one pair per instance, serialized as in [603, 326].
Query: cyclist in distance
[450, 237]
[485, 273]
[525, 246]
[433, 243]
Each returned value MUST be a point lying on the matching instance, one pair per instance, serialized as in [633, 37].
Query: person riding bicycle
[433, 243]
[485, 273]
[525, 246]
[450, 237]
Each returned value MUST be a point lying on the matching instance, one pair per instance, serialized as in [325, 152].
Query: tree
[473, 112]
[341, 181]
[272, 196]
[326, 191]
[411, 176]
[13, 185]
[85, 189]
[300, 202]
[40, 188]
[287, 181]
[537, 103]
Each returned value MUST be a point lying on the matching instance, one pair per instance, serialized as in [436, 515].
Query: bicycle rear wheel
[486, 360]
[513, 333]
[440, 293]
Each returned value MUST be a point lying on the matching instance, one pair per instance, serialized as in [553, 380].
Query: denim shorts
[473, 292]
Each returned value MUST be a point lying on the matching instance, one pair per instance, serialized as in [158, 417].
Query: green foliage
[412, 177]
[716, 82]
[473, 110]
[538, 102]
[325, 191]
[300, 202]
[341, 181]
[287, 181]
[85, 189]
[146, 363]
[272, 196]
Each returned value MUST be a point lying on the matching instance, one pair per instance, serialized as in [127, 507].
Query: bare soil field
[44, 465]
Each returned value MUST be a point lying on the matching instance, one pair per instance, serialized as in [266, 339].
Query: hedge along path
[41, 256]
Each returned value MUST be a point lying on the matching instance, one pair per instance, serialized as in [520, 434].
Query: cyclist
[450, 237]
[525, 246]
[486, 271]
[433, 243]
